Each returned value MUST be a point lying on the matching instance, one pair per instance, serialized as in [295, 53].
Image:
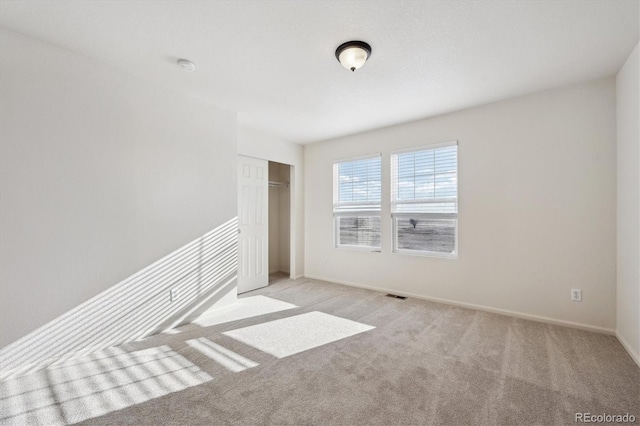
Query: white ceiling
[273, 61]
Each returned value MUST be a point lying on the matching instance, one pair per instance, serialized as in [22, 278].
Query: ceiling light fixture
[186, 65]
[353, 54]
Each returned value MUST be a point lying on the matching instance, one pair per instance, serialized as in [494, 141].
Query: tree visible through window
[424, 205]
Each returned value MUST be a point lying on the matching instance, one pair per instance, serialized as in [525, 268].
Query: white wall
[628, 119]
[101, 175]
[253, 143]
[537, 207]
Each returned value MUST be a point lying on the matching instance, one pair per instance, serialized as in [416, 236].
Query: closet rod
[278, 184]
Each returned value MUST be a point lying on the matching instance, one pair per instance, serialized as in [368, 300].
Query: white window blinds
[357, 185]
[424, 200]
[356, 202]
[425, 181]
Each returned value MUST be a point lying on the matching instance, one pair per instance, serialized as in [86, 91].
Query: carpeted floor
[359, 357]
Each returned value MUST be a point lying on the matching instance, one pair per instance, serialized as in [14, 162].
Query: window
[356, 202]
[424, 200]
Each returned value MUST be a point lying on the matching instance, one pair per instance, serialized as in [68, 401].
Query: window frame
[393, 193]
[356, 213]
[336, 232]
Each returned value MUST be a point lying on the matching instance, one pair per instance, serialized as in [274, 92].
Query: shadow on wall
[203, 272]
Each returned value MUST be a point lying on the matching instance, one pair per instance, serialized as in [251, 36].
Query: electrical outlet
[174, 294]
[576, 295]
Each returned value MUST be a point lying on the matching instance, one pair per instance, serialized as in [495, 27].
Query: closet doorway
[279, 218]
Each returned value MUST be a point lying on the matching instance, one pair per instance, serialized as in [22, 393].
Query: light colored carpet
[289, 336]
[223, 356]
[246, 307]
[94, 385]
[413, 362]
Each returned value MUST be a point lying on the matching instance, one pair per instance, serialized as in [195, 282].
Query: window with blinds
[424, 200]
[357, 187]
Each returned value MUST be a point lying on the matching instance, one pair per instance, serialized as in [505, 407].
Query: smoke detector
[186, 65]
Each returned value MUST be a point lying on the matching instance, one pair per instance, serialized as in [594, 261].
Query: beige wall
[102, 175]
[628, 119]
[537, 207]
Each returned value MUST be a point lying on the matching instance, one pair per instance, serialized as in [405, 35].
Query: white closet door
[253, 223]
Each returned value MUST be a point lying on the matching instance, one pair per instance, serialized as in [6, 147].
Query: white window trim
[394, 234]
[424, 147]
[358, 158]
[373, 212]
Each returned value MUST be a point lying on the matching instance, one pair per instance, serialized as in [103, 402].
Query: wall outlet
[173, 294]
[576, 295]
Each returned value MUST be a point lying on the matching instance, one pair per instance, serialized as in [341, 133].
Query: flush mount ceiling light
[353, 54]
[186, 65]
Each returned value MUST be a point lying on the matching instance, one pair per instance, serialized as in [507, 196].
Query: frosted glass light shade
[353, 54]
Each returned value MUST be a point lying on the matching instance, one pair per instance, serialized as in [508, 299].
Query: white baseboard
[634, 356]
[507, 312]
[297, 277]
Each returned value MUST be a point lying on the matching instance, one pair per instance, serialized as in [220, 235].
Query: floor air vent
[395, 296]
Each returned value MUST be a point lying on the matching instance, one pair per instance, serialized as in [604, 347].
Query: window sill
[434, 254]
[361, 249]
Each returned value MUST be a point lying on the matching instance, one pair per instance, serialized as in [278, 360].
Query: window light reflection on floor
[292, 335]
[223, 356]
[94, 385]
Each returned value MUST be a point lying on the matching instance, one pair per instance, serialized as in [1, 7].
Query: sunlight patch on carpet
[292, 335]
[94, 385]
[247, 307]
[227, 358]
